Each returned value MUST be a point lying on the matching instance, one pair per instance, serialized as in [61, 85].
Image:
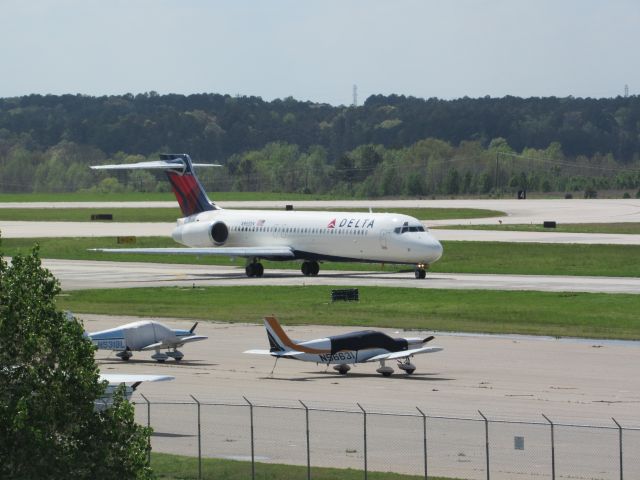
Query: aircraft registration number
[344, 356]
[112, 344]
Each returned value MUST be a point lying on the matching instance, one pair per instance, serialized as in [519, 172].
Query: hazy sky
[317, 50]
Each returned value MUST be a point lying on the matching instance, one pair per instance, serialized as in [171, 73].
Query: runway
[517, 211]
[79, 275]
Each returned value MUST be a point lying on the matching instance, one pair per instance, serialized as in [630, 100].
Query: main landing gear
[310, 268]
[406, 366]
[342, 369]
[254, 269]
[124, 355]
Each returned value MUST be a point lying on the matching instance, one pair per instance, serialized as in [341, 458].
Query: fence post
[306, 410]
[486, 441]
[148, 426]
[365, 440]
[620, 445]
[424, 441]
[199, 440]
[553, 450]
[253, 458]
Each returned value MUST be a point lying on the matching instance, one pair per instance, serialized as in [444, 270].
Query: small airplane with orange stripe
[349, 348]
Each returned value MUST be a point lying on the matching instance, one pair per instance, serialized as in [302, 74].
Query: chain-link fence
[408, 443]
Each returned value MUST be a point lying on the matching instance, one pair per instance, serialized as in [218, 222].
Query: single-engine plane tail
[279, 341]
[185, 184]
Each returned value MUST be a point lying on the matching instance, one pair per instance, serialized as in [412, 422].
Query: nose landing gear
[421, 270]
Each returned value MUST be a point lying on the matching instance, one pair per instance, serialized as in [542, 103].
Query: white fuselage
[312, 235]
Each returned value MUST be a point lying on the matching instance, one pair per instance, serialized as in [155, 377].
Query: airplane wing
[404, 353]
[261, 252]
[192, 338]
[288, 353]
[118, 378]
[164, 344]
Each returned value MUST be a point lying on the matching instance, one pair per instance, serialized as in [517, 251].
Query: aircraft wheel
[159, 360]
[249, 270]
[386, 374]
[254, 270]
[258, 269]
[315, 268]
[306, 268]
[420, 273]
[125, 358]
[409, 371]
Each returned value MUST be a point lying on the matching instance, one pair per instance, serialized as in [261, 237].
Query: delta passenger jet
[308, 236]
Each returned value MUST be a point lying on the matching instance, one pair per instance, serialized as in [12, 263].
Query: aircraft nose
[435, 249]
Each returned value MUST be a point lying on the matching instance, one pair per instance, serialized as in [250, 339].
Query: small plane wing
[178, 343]
[192, 338]
[262, 252]
[404, 353]
[118, 378]
[286, 353]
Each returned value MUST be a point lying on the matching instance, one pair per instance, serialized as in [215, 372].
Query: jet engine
[201, 234]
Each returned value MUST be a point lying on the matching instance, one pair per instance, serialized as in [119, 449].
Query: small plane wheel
[386, 374]
[420, 273]
[125, 359]
[160, 361]
[343, 372]
[409, 372]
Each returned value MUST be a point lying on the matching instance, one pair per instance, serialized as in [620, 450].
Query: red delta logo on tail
[332, 224]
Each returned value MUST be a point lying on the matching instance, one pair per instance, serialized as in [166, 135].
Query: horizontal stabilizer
[262, 252]
[404, 353]
[177, 164]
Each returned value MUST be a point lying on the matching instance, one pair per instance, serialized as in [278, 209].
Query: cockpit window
[407, 228]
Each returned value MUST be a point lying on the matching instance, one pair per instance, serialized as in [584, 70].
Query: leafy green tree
[49, 426]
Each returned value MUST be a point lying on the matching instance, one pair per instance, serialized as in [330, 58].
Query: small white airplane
[350, 348]
[308, 236]
[143, 336]
[131, 383]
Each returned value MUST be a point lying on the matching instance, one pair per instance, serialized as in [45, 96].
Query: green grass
[591, 315]
[178, 467]
[171, 214]
[539, 259]
[624, 228]
[458, 257]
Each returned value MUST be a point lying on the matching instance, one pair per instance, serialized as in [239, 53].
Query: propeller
[195, 325]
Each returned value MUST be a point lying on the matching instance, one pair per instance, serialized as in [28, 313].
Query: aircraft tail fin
[279, 341]
[184, 182]
[193, 329]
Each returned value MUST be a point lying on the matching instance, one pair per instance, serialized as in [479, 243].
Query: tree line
[392, 145]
